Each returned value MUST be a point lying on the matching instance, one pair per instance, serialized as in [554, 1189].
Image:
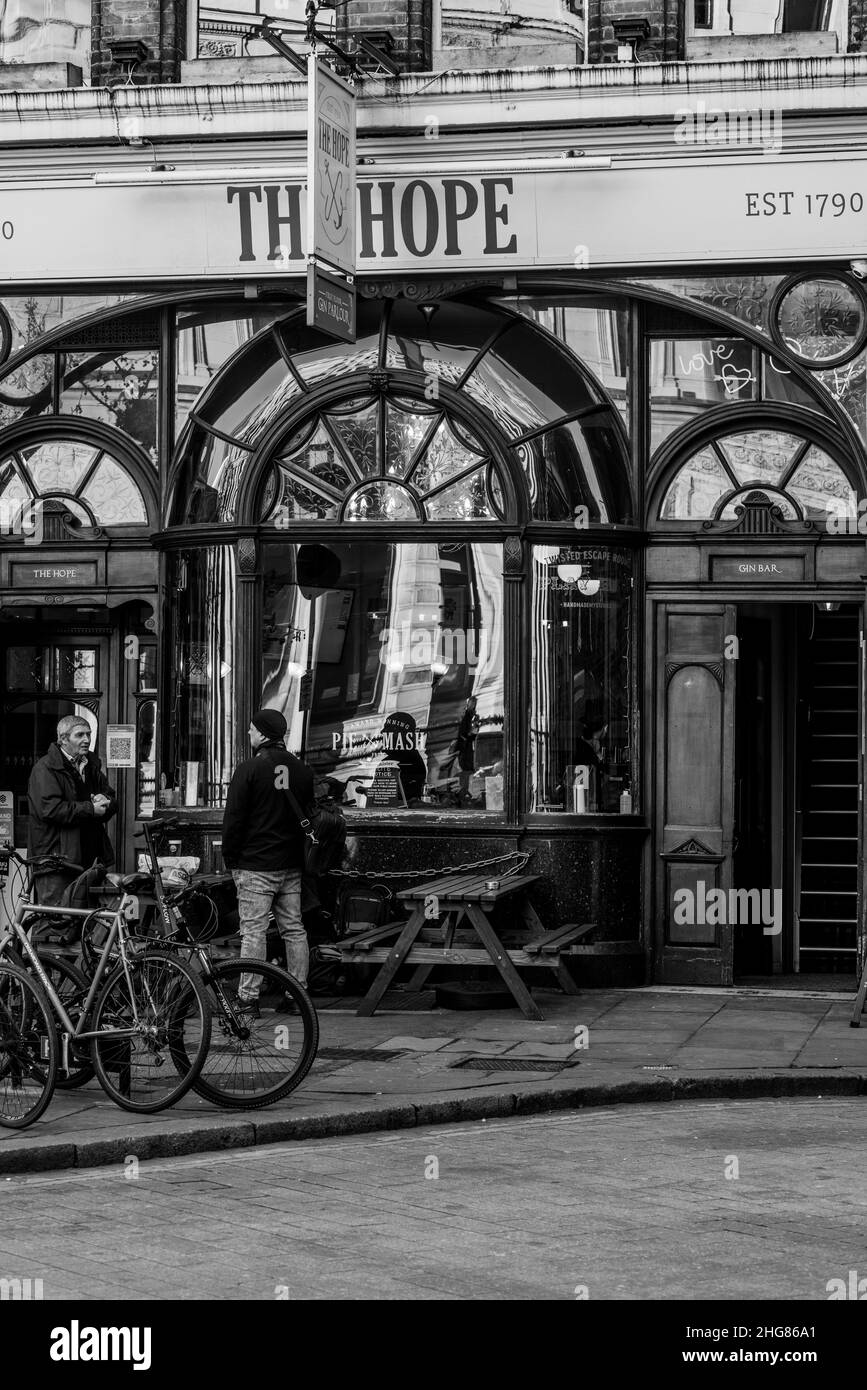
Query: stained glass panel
[381, 502]
[113, 496]
[697, 489]
[821, 318]
[59, 465]
[319, 457]
[760, 456]
[466, 500]
[12, 489]
[816, 481]
[404, 432]
[300, 503]
[745, 297]
[358, 434]
[444, 457]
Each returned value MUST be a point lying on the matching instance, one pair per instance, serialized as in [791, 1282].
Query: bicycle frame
[16, 933]
[195, 948]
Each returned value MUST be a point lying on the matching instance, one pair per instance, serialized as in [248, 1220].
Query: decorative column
[514, 678]
[248, 638]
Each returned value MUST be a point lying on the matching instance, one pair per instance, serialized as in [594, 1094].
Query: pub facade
[564, 554]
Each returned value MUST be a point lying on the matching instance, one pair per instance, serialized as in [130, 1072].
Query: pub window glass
[146, 769]
[596, 331]
[198, 734]
[206, 338]
[580, 710]
[75, 668]
[387, 662]
[120, 389]
[52, 668]
[689, 376]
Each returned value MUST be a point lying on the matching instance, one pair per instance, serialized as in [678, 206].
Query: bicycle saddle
[137, 882]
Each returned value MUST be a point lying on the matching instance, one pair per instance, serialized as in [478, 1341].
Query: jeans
[260, 892]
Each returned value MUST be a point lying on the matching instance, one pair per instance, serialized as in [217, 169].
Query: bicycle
[148, 1009]
[256, 1057]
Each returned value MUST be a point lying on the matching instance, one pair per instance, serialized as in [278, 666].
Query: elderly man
[70, 804]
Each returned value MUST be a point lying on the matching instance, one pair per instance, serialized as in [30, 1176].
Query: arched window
[383, 459]
[401, 653]
[81, 478]
[792, 474]
[439, 412]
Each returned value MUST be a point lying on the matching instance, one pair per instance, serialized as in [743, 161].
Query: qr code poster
[120, 745]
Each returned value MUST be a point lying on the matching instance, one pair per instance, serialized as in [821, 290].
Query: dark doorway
[796, 831]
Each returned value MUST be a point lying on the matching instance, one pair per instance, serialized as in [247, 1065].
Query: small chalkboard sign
[386, 789]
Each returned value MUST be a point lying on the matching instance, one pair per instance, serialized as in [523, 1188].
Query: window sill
[721, 48]
[29, 77]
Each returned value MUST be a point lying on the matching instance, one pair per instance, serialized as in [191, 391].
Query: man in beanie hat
[263, 845]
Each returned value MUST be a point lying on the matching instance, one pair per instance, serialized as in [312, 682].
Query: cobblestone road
[633, 1202]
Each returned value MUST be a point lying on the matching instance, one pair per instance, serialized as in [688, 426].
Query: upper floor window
[223, 26]
[741, 18]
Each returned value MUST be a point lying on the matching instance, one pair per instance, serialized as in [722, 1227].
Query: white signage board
[330, 167]
[730, 210]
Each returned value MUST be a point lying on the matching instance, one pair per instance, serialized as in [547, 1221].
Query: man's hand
[100, 804]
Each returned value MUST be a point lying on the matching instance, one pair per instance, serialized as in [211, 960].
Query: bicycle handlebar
[51, 861]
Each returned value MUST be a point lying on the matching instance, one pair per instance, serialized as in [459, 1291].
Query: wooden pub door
[695, 650]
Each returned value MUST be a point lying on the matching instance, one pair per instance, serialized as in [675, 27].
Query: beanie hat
[270, 722]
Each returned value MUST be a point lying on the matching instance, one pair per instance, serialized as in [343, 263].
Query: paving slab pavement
[438, 1066]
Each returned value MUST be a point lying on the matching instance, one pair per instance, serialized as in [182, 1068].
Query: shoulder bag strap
[303, 820]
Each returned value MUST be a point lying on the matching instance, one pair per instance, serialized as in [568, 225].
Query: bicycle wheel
[71, 986]
[257, 1061]
[165, 1007]
[28, 1048]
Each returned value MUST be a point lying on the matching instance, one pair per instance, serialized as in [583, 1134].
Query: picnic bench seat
[436, 934]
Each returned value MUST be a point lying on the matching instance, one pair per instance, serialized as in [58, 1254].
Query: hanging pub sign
[330, 304]
[331, 198]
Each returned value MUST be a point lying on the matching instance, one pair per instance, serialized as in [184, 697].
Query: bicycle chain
[523, 856]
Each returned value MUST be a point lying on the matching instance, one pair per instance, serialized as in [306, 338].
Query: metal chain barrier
[523, 857]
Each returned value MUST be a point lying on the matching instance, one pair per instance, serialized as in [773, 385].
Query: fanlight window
[794, 474]
[91, 485]
[541, 405]
[383, 459]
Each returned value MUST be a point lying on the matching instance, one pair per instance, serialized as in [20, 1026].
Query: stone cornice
[461, 100]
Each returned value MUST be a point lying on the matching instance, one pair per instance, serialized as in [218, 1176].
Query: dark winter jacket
[62, 818]
[260, 830]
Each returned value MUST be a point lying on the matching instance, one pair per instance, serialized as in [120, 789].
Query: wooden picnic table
[444, 905]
